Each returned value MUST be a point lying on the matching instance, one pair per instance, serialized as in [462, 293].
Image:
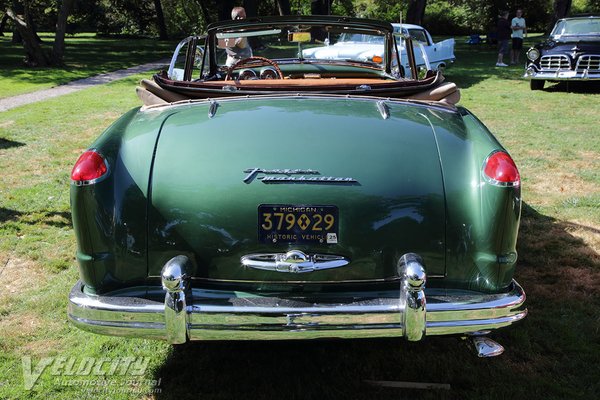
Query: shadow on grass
[475, 64]
[58, 219]
[573, 87]
[556, 260]
[323, 369]
[548, 355]
[7, 144]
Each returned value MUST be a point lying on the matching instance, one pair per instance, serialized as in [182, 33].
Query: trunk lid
[208, 183]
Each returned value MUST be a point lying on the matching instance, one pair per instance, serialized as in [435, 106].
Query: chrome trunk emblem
[294, 261]
[285, 176]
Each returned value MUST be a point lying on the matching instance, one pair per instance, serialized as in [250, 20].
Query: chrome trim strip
[182, 43]
[440, 106]
[286, 282]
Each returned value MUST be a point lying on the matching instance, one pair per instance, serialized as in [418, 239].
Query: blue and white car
[360, 47]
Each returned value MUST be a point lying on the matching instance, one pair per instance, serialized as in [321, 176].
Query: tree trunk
[283, 6]
[3, 24]
[31, 23]
[18, 9]
[224, 8]
[58, 50]
[160, 21]
[320, 7]
[561, 9]
[251, 7]
[205, 12]
[35, 54]
[416, 12]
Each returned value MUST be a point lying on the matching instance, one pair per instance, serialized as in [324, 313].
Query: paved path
[28, 98]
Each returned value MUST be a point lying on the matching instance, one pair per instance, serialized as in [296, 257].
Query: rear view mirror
[299, 37]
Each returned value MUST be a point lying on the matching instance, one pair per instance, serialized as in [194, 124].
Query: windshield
[292, 42]
[577, 27]
[360, 38]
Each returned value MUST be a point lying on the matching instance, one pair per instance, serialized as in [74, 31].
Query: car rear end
[296, 217]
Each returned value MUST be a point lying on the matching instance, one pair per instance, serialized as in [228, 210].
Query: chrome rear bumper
[197, 314]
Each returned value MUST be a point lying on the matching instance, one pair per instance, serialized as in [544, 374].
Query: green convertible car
[268, 196]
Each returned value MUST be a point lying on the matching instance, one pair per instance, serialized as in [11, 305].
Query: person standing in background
[503, 32]
[237, 48]
[519, 30]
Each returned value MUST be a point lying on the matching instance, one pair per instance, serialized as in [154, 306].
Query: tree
[3, 24]
[35, 54]
[320, 7]
[58, 50]
[251, 7]
[160, 21]
[224, 9]
[416, 11]
[283, 6]
[561, 9]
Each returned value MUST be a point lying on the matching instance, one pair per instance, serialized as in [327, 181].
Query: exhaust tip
[486, 347]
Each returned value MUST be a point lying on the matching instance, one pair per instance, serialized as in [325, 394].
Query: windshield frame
[271, 23]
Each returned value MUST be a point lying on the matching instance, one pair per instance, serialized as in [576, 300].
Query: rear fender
[482, 219]
[109, 217]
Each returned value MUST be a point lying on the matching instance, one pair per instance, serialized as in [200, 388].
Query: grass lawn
[85, 55]
[553, 354]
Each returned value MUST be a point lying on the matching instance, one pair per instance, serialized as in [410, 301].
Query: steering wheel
[242, 63]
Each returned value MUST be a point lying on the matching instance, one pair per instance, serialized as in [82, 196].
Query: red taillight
[89, 167]
[501, 170]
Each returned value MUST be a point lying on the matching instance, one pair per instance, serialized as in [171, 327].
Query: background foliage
[183, 17]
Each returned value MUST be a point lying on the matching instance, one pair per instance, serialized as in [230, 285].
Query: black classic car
[572, 52]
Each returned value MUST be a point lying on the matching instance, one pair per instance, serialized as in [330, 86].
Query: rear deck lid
[324, 178]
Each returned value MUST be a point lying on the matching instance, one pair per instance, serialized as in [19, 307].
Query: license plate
[289, 223]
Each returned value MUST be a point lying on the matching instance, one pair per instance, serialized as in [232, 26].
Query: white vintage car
[360, 47]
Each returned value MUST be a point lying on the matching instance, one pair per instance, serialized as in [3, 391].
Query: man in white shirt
[519, 29]
[237, 48]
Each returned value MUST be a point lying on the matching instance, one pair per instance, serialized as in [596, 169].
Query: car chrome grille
[555, 62]
[589, 62]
